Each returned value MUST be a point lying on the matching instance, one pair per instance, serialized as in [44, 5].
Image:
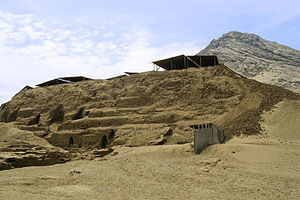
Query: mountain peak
[257, 58]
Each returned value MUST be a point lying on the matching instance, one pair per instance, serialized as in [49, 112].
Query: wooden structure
[184, 62]
[122, 76]
[131, 73]
[63, 80]
[116, 77]
[207, 134]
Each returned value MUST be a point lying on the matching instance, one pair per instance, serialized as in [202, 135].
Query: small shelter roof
[76, 78]
[116, 77]
[131, 73]
[63, 80]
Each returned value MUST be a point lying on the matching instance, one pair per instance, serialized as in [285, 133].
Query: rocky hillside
[150, 108]
[254, 57]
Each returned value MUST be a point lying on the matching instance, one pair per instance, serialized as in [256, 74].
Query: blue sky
[45, 39]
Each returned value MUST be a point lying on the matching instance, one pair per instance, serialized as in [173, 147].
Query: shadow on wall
[71, 141]
[111, 135]
[104, 142]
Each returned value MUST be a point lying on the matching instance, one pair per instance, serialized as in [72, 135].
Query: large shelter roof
[183, 62]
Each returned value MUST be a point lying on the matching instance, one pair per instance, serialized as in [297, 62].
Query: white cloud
[108, 35]
[96, 33]
[32, 51]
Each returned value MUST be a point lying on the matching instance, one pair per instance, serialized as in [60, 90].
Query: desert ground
[263, 166]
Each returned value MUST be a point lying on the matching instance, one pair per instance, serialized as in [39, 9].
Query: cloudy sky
[45, 39]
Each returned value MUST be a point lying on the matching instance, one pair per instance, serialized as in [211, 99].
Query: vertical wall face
[199, 139]
[85, 140]
[207, 134]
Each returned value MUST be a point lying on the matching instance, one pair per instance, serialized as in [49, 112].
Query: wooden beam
[200, 61]
[187, 63]
[193, 61]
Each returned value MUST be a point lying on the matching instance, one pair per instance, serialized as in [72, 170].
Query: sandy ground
[266, 166]
[255, 171]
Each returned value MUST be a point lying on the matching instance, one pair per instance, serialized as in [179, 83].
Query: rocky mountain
[262, 60]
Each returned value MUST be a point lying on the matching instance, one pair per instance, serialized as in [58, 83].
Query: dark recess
[112, 134]
[104, 142]
[78, 114]
[35, 120]
[71, 141]
[57, 115]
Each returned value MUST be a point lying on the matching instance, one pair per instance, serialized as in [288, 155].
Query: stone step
[31, 128]
[111, 111]
[117, 121]
[101, 122]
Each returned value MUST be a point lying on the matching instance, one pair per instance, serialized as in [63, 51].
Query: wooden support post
[184, 61]
[189, 59]
[187, 64]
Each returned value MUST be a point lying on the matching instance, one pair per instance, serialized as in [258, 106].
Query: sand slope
[254, 171]
[264, 166]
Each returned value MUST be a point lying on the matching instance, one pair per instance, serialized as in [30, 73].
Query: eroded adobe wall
[86, 138]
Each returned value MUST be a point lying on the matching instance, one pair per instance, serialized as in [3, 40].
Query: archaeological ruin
[207, 134]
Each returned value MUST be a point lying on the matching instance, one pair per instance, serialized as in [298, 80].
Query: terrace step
[107, 112]
[117, 121]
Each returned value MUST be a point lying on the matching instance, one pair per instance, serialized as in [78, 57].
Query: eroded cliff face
[254, 57]
[150, 108]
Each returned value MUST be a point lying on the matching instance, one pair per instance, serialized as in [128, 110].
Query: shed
[207, 134]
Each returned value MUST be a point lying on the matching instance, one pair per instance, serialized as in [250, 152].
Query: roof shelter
[116, 77]
[183, 62]
[131, 73]
[124, 75]
[63, 80]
